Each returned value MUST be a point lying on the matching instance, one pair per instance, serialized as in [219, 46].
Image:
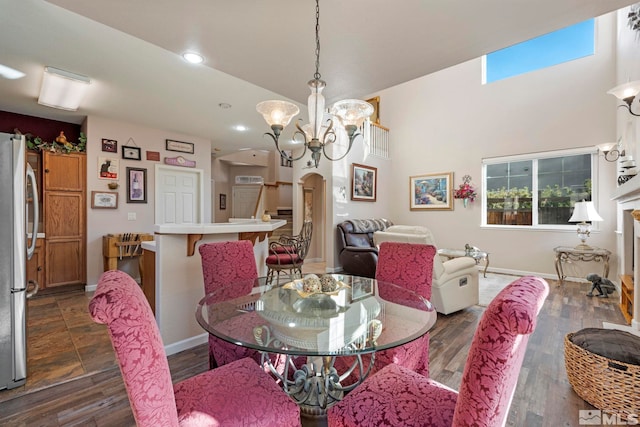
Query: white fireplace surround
[628, 243]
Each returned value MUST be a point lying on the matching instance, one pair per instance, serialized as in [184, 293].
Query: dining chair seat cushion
[283, 259]
[396, 396]
[240, 392]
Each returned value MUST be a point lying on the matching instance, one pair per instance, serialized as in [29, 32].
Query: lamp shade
[277, 112]
[62, 89]
[626, 90]
[583, 212]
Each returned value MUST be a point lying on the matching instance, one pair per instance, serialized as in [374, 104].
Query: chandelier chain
[317, 73]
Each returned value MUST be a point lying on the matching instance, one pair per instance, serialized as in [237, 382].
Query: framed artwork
[363, 183]
[153, 155]
[131, 153]
[109, 145]
[108, 168]
[104, 200]
[223, 202]
[136, 185]
[432, 191]
[375, 117]
[182, 147]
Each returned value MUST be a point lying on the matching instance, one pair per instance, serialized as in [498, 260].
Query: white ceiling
[254, 50]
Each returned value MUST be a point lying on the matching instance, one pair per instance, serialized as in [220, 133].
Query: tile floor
[64, 343]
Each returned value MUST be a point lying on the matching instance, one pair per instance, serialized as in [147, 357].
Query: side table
[477, 255]
[565, 253]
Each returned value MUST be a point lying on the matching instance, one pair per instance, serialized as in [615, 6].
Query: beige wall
[449, 122]
[104, 221]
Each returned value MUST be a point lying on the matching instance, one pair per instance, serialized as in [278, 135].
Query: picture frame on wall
[136, 185]
[431, 191]
[363, 183]
[108, 168]
[131, 153]
[179, 146]
[375, 116]
[104, 200]
[223, 202]
[109, 145]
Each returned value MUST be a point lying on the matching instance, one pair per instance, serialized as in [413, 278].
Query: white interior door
[179, 195]
[244, 201]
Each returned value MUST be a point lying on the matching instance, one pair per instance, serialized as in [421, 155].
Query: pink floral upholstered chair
[411, 266]
[225, 263]
[237, 394]
[396, 396]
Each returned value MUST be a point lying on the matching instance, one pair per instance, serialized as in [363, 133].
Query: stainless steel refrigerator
[17, 243]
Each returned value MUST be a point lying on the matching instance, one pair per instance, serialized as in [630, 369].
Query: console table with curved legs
[565, 254]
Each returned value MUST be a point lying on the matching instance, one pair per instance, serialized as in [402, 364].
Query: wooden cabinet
[626, 297]
[35, 266]
[64, 213]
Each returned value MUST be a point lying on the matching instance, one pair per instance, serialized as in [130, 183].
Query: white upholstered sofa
[455, 282]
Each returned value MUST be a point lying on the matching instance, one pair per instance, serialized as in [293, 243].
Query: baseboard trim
[179, 346]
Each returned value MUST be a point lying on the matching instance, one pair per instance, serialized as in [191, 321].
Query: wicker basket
[607, 384]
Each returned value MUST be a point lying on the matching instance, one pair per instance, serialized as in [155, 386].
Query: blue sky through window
[560, 46]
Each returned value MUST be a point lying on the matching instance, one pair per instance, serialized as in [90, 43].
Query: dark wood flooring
[543, 396]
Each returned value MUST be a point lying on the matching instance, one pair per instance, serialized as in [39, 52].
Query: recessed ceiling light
[193, 58]
[240, 128]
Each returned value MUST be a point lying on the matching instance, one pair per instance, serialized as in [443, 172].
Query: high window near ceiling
[566, 44]
[537, 190]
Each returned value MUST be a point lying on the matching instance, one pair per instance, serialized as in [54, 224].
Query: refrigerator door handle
[36, 214]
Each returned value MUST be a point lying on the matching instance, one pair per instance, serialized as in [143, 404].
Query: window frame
[535, 196]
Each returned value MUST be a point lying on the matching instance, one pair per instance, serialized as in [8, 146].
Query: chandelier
[318, 134]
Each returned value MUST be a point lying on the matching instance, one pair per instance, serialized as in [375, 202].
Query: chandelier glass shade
[319, 133]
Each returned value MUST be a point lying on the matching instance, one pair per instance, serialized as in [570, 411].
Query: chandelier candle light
[583, 214]
[465, 191]
[318, 134]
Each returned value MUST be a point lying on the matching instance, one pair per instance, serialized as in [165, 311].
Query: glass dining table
[316, 320]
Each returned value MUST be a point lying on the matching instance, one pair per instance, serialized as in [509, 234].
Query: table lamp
[583, 214]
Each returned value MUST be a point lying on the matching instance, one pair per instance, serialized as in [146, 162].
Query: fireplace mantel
[628, 213]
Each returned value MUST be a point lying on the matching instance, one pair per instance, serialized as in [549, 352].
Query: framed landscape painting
[363, 183]
[432, 191]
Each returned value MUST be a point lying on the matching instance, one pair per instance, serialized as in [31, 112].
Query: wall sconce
[610, 151]
[627, 92]
[62, 89]
[583, 214]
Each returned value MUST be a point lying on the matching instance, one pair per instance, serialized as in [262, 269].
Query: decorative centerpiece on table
[465, 191]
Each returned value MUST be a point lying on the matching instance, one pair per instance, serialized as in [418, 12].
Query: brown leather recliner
[357, 252]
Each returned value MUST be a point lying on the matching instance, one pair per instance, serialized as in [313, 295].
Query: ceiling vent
[241, 179]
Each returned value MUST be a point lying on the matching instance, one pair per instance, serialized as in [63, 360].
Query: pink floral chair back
[411, 266]
[120, 304]
[239, 393]
[398, 396]
[497, 351]
[225, 263]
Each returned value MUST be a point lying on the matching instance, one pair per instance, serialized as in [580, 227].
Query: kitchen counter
[179, 283]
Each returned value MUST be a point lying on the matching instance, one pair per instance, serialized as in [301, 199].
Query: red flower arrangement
[465, 190]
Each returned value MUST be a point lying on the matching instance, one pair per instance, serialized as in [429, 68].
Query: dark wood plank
[543, 396]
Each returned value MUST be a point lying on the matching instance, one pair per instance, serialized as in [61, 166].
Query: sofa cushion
[360, 240]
